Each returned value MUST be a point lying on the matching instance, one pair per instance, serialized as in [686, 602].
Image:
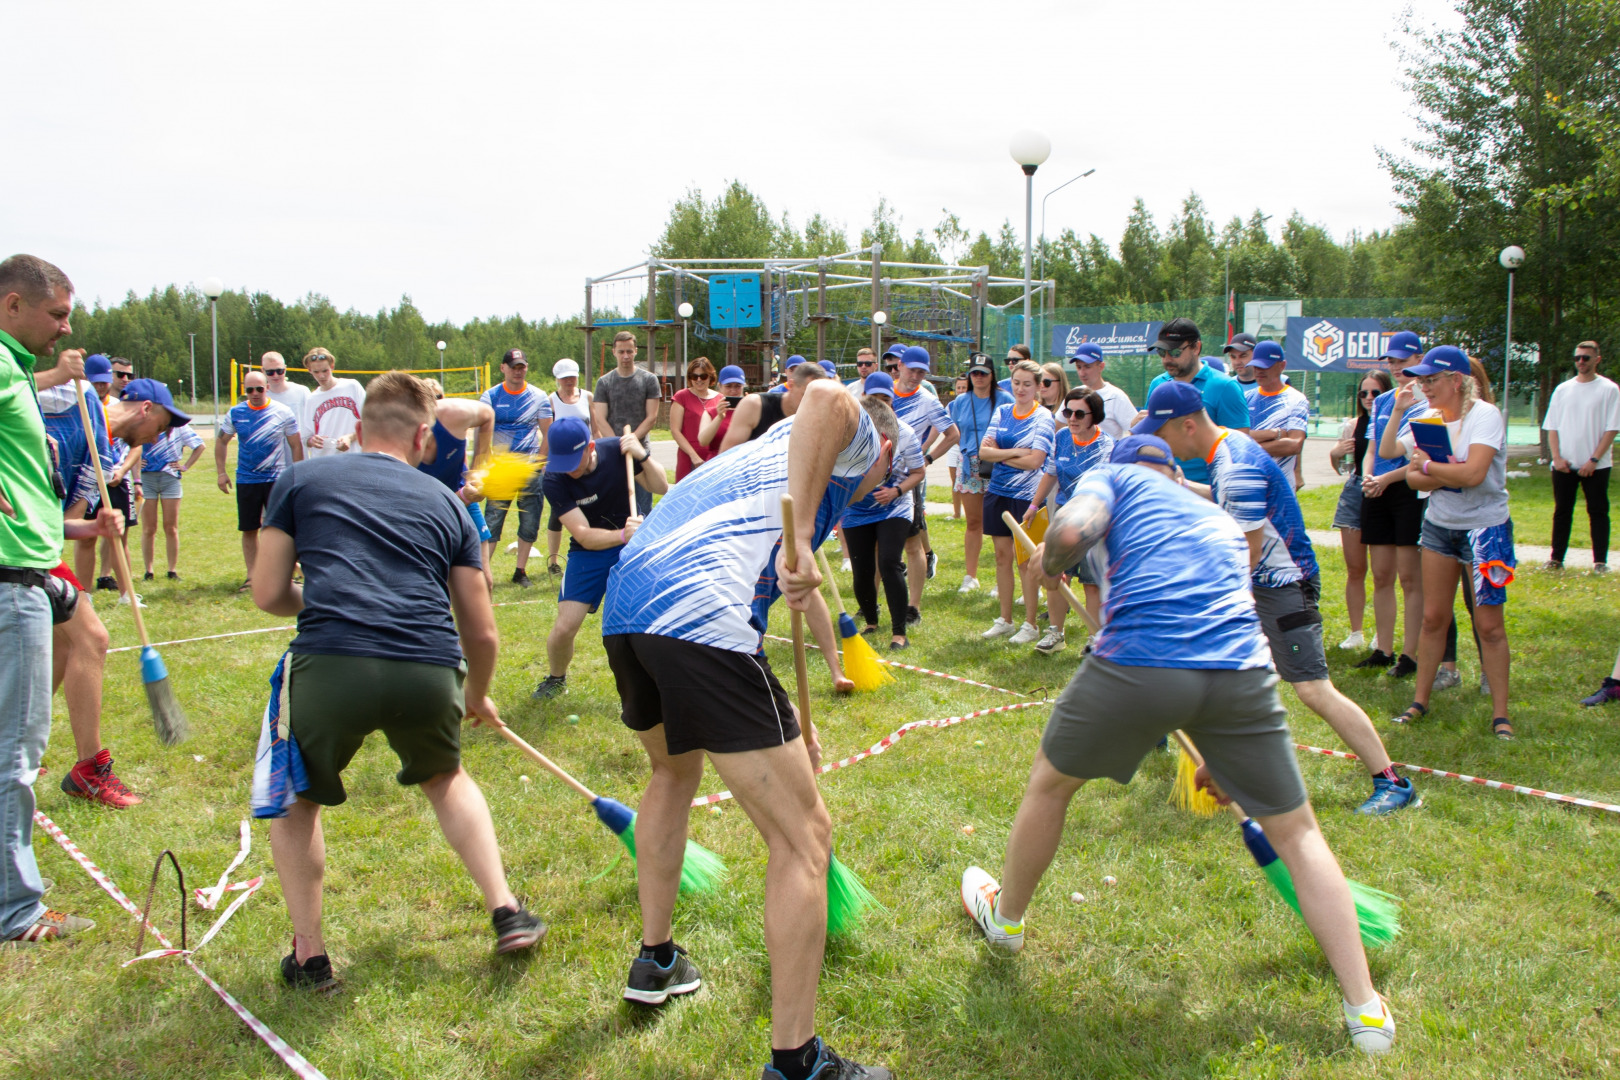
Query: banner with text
[1351, 345]
[1116, 339]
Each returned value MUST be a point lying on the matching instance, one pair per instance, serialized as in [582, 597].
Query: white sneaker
[1026, 634]
[969, 584]
[995, 592]
[1051, 641]
[1356, 640]
[847, 567]
[979, 892]
[123, 598]
[1371, 1032]
[1446, 679]
[1000, 628]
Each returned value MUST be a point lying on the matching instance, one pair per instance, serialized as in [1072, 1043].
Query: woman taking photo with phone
[715, 424]
[973, 413]
[1017, 444]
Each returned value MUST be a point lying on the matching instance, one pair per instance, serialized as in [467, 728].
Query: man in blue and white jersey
[1279, 415]
[919, 409]
[522, 419]
[268, 431]
[1181, 647]
[1246, 482]
[682, 631]
[65, 424]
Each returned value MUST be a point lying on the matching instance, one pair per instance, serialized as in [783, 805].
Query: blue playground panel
[734, 301]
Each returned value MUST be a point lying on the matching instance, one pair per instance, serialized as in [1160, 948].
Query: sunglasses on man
[866, 363]
[893, 369]
[1174, 354]
[272, 372]
[123, 374]
[255, 389]
[1584, 356]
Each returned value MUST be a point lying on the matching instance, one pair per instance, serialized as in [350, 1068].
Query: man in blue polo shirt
[268, 431]
[1179, 346]
[586, 486]
[1246, 483]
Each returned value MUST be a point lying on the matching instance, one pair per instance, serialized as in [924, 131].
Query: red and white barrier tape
[886, 742]
[265, 630]
[1497, 784]
[290, 1057]
[208, 898]
[922, 670]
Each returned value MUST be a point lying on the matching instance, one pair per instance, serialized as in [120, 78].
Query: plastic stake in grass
[861, 662]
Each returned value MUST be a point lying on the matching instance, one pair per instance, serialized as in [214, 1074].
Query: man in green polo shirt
[35, 301]
[1180, 347]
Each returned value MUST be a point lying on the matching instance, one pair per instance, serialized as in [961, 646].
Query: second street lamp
[213, 288]
[1030, 149]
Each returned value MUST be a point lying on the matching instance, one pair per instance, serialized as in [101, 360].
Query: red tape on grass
[886, 742]
[278, 1046]
[1517, 789]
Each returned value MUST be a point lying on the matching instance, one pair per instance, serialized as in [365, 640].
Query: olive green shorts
[336, 701]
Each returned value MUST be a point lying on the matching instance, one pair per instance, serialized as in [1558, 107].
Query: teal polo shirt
[1225, 403]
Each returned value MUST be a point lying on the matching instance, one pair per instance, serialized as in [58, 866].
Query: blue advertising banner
[1116, 339]
[1351, 345]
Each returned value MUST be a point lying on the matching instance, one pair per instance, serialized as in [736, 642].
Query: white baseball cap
[564, 369]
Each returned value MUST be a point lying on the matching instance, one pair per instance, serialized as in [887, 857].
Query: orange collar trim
[258, 408]
[1209, 459]
[1094, 433]
[1026, 416]
[1272, 393]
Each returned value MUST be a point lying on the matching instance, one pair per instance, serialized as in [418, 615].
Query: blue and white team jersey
[1246, 482]
[1286, 410]
[868, 511]
[60, 407]
[1177, 577]
[1382, 407]
[163, 454]
[1070, 460]
[702, 568]
[517, 417]
[262, 434]
[1033, 431]
[922, 412]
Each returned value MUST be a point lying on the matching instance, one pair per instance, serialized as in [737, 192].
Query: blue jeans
[25, 725]
[644, 500]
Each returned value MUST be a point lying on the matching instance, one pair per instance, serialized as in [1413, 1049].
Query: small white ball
[524, 779]
[968, 829]
[1077, 897]
[1109, 879]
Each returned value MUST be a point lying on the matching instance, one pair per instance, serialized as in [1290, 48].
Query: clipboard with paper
[1433, 435]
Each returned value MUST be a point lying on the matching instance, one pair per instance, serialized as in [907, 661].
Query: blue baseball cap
[732, 373]
[1169, 400]
[1441, 358]
[158, 394]
[569, 439]
[878, 383]
[1267, 354]
[896, 349]
[1088, 352]
[916, 356]
[792, 362]
[1215, 363]
[829, 367]
[1402, 346]
[97, 368]
[1146, 449]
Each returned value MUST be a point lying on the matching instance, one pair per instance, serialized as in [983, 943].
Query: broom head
[862, 665]
[506, 475]
[168, 719]
[846, 626]
[1037, 532]
[1186, 794]
[701, 869]
[847, 898]
[1377, 912]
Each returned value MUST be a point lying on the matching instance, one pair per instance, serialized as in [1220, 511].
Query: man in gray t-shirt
[627, 396]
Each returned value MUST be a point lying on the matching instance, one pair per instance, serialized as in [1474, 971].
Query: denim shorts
[1487, 552]
[1347, 515]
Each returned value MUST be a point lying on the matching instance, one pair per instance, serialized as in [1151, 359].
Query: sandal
[1502, 728]
[1412, 714]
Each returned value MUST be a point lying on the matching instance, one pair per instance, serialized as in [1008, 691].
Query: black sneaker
[172, 576]
[554, 569]
[313, 974]
[516, 928]
[913, 616]
[650, 984]
[829, 1066]
[550, 687]
[1404, 668]
[521, 577]
[106, 583]
[1378, 659]
[148, 576]
[933, 561]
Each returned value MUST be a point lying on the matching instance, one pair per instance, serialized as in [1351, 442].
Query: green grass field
[1186, 968]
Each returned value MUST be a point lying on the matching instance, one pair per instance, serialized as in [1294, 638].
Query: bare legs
[78, 665]
[973, 537]
[1355, 581]
[250, 550]
[171, 532]
[560, 642]
[1028, 575]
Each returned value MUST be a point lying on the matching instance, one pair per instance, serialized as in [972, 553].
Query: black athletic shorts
[707, 698]
[1395, 517]
[250, 503]
[119, 499]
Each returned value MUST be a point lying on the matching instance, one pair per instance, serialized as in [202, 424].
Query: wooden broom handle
[826, 572]
[629, 465]
[120, 562]
[790, 559]
[1068, 594]
[546, 763]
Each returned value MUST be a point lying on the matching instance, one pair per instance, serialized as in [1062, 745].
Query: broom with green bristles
[1377, 913]
[847, 898]
[861, 663]
[701, 869]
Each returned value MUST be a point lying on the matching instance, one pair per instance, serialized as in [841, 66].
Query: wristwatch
[929, 458]
[1593, 460]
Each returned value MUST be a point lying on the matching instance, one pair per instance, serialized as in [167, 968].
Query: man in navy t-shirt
[588, 489]
[393, 600]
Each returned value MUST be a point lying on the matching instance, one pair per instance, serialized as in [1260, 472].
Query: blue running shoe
[1607, 694]
[1389, 796]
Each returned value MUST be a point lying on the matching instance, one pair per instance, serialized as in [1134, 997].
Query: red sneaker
[93, 779]
[51, 926]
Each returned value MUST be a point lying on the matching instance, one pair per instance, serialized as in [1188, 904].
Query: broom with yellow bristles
[505, 475]
[861, 663]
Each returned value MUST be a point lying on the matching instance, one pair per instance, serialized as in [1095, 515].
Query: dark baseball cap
[1142, 448]
[158, 394]
[1239, 343]
[981, 362]
[515, 356]
[1176, 333]
[1169, 400]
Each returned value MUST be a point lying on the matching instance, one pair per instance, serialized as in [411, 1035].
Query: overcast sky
[487, 157]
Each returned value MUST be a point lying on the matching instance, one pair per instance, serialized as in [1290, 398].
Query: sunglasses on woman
[1368, 393]
[1069, 413]
[698, 378]
[1049, 382]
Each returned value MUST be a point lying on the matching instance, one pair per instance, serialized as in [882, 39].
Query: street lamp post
[213, 288]
[193, 338]
[441, 347]
[1511, 258]
[1030, 149]
[878, 319]
[685, 312]
[1048, 195]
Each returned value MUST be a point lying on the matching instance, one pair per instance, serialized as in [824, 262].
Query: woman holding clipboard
[1458, 451]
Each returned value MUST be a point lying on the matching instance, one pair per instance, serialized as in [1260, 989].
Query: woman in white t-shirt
[1466, 523]
[567, 400]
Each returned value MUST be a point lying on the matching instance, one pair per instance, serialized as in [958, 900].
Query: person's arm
[131, 463]
[69, 366]
[1589, 466]
[677, 418]
[709, 427]
[107, 522]
[1426, 474]
[1237, 410]
[652, 413]
[222, 439]
[1558, 462]
[196, 452]
[942, 446]
[652, 475]
[295, 445]
[480, 642]
[274, 590]
[1042, 490]
[826, 421]
[743, 422]
[1256, 539]
[483, 429]
[1025, 458]
[599, 420]
[594, 539]
[1389, 445]
[1286, 443]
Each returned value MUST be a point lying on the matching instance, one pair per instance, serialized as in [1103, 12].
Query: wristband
[622, 540]
[1593, 460]
[1425, 466]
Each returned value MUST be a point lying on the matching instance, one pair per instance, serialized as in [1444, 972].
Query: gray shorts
[1110, 716]
[159, 485]
[1293, 626]
[1347, 515]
